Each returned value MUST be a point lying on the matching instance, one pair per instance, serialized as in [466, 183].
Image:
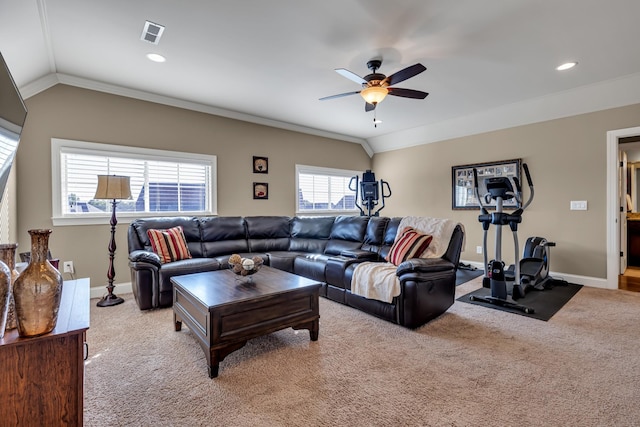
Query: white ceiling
[490, 64]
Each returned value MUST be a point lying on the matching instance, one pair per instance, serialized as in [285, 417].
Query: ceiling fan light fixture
[374, 94]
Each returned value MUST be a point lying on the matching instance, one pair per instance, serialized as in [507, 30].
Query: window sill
[327, 212]
[122, 217]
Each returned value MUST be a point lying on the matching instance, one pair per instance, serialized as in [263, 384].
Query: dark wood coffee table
[223, 313]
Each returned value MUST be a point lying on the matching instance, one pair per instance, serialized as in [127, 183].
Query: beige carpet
[473, 366]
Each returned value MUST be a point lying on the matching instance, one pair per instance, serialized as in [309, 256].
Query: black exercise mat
[544, 303]
[463, 276]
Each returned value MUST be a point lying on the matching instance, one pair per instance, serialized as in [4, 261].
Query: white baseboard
[120, 288]
[594, 282]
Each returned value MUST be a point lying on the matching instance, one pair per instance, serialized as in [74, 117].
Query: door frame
[613, 208]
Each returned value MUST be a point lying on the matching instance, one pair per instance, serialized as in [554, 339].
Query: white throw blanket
[440, 228]
[378, 280]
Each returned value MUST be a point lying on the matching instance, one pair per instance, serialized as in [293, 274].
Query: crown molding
[585, 99]
[50, 80]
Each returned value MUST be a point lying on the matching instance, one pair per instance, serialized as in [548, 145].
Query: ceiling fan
[376, 86]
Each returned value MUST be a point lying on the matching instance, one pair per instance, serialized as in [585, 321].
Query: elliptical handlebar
[477, 191]
[527, 174]
[530, 183]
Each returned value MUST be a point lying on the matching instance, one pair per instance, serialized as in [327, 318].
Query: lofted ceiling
[490, 64]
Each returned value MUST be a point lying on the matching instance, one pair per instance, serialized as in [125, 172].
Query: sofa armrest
[424, 265]
[145, 256]
[335, 270]
[359, 254]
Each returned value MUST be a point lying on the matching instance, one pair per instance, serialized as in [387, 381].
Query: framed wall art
[260, 164]
[462, 186]
[261, 190]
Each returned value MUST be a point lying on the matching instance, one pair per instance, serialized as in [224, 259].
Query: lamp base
[109, 300]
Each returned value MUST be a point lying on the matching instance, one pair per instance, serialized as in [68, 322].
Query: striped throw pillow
[169, 244]
[409, 244]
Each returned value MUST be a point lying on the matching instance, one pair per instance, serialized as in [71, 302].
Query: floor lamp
[112, 187]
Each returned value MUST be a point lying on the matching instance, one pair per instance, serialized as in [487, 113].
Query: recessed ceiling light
[155, 57]
[566, 66]
[377, 121]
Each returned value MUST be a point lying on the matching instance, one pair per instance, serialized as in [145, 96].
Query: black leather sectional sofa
[325, 249]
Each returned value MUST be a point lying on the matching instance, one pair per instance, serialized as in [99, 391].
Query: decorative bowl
[243, 267]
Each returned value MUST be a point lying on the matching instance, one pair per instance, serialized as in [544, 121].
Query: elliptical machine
[500, 189]
[370, 192]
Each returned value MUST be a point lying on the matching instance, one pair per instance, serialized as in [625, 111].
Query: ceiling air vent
[151, 32]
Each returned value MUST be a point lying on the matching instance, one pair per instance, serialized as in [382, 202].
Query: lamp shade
[113, 187]
[374, 94]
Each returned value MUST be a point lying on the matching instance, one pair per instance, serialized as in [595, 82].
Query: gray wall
[80, 114]
[567, 159]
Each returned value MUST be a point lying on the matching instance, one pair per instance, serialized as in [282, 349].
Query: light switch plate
[578, 205]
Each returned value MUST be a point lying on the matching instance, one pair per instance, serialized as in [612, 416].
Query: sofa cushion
[268, 233]
[409, 244]
[283, 260]
[347, 233]
[389, 236]
[223, 236]
[185, 266]
[170, 244]
[310, 234]
[374, 236]
[312, 266]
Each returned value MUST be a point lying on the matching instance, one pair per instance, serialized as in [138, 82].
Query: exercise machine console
[370, 193]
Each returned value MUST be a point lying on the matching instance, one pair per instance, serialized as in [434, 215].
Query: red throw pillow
[410, 244]
[169, 244]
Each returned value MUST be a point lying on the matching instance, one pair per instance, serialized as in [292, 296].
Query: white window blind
[324, 190]
[162, 182]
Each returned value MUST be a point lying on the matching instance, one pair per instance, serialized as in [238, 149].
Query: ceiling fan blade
[407, 93]
[340, 95]
[351, 76]
[405, 74]
[369, 107]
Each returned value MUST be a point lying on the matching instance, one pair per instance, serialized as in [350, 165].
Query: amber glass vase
[37, 290]
[8, 256]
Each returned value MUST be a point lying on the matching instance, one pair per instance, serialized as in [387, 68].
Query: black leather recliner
[325, 249]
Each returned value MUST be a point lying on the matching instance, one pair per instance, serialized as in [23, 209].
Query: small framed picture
[260, 164]
[261, 190]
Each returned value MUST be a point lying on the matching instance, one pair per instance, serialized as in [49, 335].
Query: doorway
[630, 241]
[616, 222]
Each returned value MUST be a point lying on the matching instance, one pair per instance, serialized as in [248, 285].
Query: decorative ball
[235, 259]
[248, 264]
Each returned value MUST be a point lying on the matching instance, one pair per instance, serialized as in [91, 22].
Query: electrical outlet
[68, 267]
[478, 249]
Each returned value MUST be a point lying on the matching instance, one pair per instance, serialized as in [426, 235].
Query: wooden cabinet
[42, 378]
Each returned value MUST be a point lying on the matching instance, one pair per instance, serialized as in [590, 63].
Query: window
[325, 190]
[162, 182]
